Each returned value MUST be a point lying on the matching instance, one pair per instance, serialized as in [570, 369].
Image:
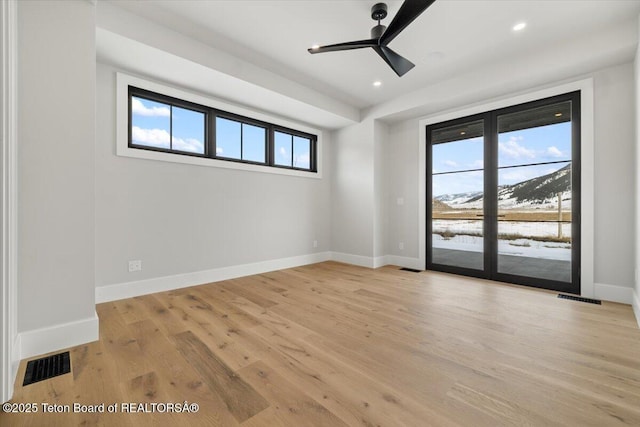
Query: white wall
[9, 346]
[180, 218]
[614, 172]
[352, 193]
[401, 170]
[614, 169]
[380, 138]
[636, 72]
[56, 107]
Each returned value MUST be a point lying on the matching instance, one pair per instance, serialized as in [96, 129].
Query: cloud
[138, 108]
[477, 164]
[219, 150]
[450, 163]
[190, 144]
[514, 150]
[160, 138]
[154, 137]
[301, 161]
[554, 152]
[283, 152]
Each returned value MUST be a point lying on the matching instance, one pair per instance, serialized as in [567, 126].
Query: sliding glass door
[457, 204]
[503, 194]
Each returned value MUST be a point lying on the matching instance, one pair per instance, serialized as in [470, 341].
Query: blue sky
[152, 121]
[534, 145]
[151, 126]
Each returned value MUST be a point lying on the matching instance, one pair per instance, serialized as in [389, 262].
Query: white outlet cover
[135, 265]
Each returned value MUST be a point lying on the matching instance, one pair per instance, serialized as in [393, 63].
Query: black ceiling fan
[381, 36]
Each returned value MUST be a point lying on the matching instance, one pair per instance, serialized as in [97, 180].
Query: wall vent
[47, 367]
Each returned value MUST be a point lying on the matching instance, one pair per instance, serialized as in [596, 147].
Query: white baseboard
[621, 294]
[379, 261]
[167, 283]
[57, 337]
[359, 260]
[636, 306]
[402, 261]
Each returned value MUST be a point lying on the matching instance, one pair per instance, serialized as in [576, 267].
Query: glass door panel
[503, 194]
[457, 190]
[534, 193]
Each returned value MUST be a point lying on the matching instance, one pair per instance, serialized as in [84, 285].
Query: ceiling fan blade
[399, 64]
[359, 44]
[408, 12]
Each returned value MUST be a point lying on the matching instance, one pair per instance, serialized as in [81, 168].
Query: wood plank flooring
[337, 345]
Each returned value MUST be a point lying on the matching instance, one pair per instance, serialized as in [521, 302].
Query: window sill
[204, 161]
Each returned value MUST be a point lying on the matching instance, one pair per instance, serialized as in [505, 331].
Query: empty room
[320, 213]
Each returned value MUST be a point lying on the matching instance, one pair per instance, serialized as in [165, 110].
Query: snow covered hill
[536, 193]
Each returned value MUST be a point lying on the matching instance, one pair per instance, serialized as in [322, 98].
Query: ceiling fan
[381, 36]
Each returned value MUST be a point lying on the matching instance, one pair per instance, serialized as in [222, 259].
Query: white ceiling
[451, 37]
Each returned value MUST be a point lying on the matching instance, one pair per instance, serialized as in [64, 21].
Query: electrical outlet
[401, 246]
[315, 243]
[135, 265]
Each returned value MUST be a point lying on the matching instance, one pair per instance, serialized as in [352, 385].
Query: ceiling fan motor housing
[378, 11]
[377, 31]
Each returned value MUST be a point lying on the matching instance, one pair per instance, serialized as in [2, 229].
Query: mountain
[459, 198]
[540, 192]
[440, 206]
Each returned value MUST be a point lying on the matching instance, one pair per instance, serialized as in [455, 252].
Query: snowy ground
[537, 229]
[519, 247]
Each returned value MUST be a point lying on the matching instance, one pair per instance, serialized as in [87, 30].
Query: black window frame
[491, 135]
[242, 120]
[211, 114]
[171, 102]
[293, 133]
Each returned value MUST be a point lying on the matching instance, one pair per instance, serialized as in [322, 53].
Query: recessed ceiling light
[315, 46]
[519, 26]
[463, 133]
[558, 114]
[377, 83]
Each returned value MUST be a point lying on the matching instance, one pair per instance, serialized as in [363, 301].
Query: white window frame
[123, 81]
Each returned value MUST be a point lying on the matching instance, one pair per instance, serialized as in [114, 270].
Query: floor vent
[47, 367]
[413, 270]
[573, 298]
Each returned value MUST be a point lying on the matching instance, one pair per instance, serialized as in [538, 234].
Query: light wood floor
[336, 345]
